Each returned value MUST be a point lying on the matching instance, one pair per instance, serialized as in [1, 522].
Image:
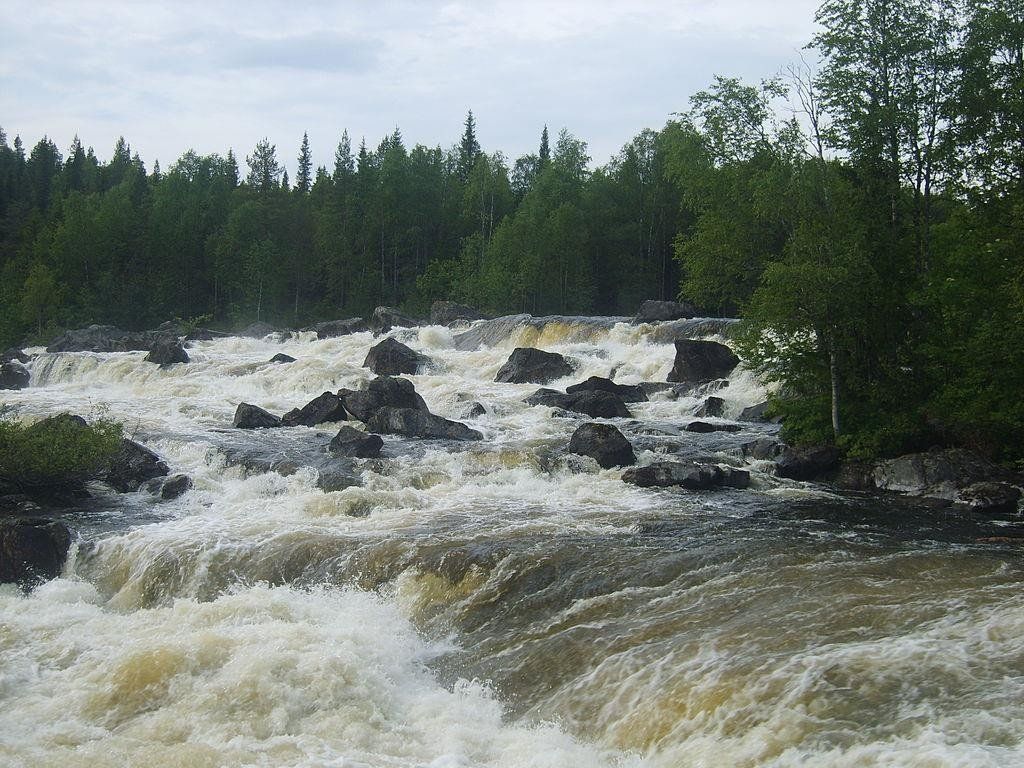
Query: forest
[862, 211]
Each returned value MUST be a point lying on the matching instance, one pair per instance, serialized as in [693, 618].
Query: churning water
[496, 603]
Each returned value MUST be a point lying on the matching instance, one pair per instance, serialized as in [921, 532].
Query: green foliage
[57, 452]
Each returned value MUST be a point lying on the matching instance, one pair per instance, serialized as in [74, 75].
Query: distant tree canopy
[871, 239]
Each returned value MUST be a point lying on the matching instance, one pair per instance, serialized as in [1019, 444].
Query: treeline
[865, 218]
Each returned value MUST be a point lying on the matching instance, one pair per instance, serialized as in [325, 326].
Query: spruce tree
[544, 155]
[344, 163]
[303, 181]
[469, 148]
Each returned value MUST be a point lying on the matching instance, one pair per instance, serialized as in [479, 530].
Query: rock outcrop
[133, 465]
[594, 403]
[652, 311]
[32, 550]
[355, 443]
[699, 361]
[383, 319]
[937, 474]
[527, 365]
[167, 352]
[249, 416]
[14, 375]
[393, 358]
[448, 312]
[628, 393]
[334, 328]
[382, 392]
[807, 463]
[416, 423]
[321, 409]
[603, 443]
[690, 475]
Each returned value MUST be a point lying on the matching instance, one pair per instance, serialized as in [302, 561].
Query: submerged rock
[417, 423]
[700, 361]
[14, 375]
[652, 311]
[32, 550]
[354, 442]
[603, 443]
[475, 410]
[167, 352]
[321, 409]
[527, 365]
[133, 465]
[282, 358]
[248, 416]
[391, 358]
[690, 475]
[448, 312]
[628, 393]
[384, 391]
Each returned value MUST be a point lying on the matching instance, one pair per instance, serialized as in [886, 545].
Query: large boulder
[705, 427]
[527, 365]
[415, 423]
[807, 463]
[167, 351]
[937, 474]
[14, 375]
[594, 403]
[383, 319]
[355, 443]
[32, 550]
[133, 465]
[14, 355]
[447, 312]
[762, 449]
[249, 416]
[689, 475]
[334, 328]
[392, 358]
[990, 498]
[758, 413]
[321, 409]
[603, 443]
[712, 407]
[652, 311]
[101, 338]
[628, 393]
[699, 361]
[384, 391]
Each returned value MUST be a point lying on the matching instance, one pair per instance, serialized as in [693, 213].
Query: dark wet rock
[705, 427]
[690, 475]
[712, 407]
[628, 393]
[807, 463]
[14, 375]
[448, 312]
[319, 410]
[475, 411]
[603, 443]
[14, 355]
[133, 465]
[856, 476]
[167, 352]
[169, 488]
[763, 449]
[652, 311]
[990, 498]
[248, 416]
[257, 330]
[758, 413]
[527, 365]
[699, 361]
[103, 338]
[596, 404]
[694, 328]
[281, 357]
[937, 474]
[383, 319]
[354, 442]
[32, 550]
[382, 392]
[18, 504]
[333, 328]
[392, 358]
[416, 423]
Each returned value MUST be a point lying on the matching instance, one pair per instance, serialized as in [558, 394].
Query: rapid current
[492, 603]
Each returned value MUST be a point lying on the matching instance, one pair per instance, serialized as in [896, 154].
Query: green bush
[57, 452]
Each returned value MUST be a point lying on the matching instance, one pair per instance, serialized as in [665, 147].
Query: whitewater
[495, 603]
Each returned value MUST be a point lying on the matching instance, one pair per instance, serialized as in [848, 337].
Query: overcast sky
[212, 75]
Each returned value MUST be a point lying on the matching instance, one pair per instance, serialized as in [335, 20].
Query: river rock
[699, 361]
[133, 465]
[937, 474]
[321, 409]
[32, 550]
[281, 358]
[690, 475]
[383, 319]
[384, 391]
[757, 413]
[248, 416]
[333, 328]
[101, 338]
[807, 463]
[416, 423]
[704, 427]
[652, 311]
[990, 498]
[448, 312]
[167, 352]
[527, 365]
[257, 330]
[355, 443]
[628, 393]
[14, 375]
[169, 488]
[391, 358]
[14, 355]
[762, 449]
[594, 403]
[712, 407]
[475, 410]
[603, 443]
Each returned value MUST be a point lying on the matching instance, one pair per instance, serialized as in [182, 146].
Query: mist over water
[498, 603]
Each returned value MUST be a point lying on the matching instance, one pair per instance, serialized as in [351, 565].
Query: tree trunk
[833, 370]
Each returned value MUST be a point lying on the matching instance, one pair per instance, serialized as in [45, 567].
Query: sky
[214, 75]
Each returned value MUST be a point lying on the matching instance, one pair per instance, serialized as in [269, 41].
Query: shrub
[60, 451]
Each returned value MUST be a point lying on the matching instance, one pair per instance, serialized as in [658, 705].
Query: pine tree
[303, 181]
[544, 155]
[469, 148]
[285, 185]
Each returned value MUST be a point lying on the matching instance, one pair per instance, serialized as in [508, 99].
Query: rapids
[498, 603]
